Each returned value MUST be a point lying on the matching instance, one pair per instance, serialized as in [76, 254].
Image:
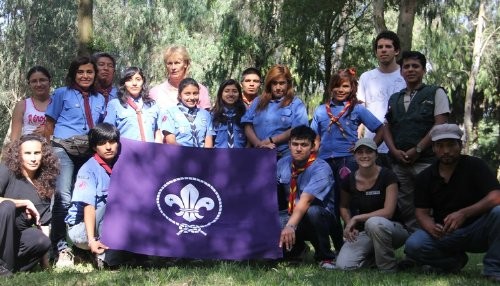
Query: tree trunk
[476, 60]
[85, 27]
[378, 16]
[407, 9]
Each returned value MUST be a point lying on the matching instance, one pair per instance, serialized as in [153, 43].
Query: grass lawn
[245, 273]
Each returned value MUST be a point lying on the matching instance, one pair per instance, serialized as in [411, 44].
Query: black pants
[20, 250]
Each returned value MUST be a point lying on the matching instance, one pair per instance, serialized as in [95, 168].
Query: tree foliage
[223, 37]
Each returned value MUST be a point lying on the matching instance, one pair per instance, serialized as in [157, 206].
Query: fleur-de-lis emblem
[188, 203]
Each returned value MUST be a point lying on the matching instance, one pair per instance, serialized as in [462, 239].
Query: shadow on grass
[196, 272]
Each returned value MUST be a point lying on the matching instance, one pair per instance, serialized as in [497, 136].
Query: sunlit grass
[245, 273]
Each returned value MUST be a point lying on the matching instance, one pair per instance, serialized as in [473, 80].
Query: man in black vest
[411, 114]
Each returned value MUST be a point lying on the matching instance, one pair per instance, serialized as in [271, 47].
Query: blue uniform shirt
[175, 122]
[68, 111]
[125, 119]
[316, 180]
[222, 135]
[91, 188]
[333, 144]
[275, 119]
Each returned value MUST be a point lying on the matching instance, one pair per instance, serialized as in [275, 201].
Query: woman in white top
[29, 114]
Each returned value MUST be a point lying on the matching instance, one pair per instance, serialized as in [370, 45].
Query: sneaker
[327, 264]
[4, 272]
[65, 258]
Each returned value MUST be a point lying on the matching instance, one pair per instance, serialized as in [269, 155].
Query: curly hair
[45, 176]
[239, 106]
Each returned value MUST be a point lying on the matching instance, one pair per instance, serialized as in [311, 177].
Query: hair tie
[352, 71]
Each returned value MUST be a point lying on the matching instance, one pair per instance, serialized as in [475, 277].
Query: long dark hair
[123, 93]
[218, 111]
[45, 176]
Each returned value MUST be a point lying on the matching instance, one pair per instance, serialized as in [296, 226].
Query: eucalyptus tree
[33, 33]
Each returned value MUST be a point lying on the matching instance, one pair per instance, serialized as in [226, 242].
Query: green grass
[245, 273]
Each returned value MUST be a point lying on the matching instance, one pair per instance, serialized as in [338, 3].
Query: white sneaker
[327, 264]
[65, 259]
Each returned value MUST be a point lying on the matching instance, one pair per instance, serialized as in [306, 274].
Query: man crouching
[308, 182]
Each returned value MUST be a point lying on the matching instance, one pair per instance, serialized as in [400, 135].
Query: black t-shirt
[13, 187]
[471, 181]
[372, 199]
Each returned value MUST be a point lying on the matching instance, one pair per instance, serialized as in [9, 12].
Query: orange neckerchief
[293, 183]
[335, 119]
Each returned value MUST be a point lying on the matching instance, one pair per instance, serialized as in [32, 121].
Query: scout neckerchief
[230, 116]
[138, 111]
[293, 183]
[86, 105]
[336, 119]
[103, 164]
[105, 92]
[190, 114]
[246, 101]
[108, 170]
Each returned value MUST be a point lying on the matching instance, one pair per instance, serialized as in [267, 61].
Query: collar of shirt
[184, 108]
[229, 112]
[276, 100]
[333, 103]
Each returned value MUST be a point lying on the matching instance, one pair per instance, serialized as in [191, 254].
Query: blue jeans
[62, 197]
[313, 227]
[483, 235]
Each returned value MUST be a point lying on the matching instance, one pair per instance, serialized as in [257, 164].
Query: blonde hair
[180, 50]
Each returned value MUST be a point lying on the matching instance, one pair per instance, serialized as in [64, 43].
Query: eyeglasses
[40, 81]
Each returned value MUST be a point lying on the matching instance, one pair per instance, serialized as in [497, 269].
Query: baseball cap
[445, 131]
[368, 142]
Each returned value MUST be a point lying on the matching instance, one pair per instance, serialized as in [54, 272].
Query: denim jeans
[483, 235]
[62, 197]
[78, 233]
[313, 227]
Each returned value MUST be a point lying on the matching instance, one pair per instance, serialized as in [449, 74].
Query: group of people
[377, 154]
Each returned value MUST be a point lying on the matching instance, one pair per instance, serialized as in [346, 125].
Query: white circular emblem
[190, 203]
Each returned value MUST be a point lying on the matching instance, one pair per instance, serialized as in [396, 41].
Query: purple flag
[176, 201]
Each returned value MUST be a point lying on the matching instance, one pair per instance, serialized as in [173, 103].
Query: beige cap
[368, 142]
[445, 131]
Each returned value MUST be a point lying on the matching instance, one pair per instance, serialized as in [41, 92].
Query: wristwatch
[418, 149]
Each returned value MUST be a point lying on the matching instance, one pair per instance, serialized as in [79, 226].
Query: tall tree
[85, 26]
[476, 60]
[407, 10]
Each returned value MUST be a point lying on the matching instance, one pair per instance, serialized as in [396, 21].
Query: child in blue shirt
[133, 98]
[272, 115]
[186, 124]
[226, 116]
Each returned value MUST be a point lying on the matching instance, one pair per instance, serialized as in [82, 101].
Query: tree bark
[407, 10]
[476, 61]
[85, 26]
[378, 16]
